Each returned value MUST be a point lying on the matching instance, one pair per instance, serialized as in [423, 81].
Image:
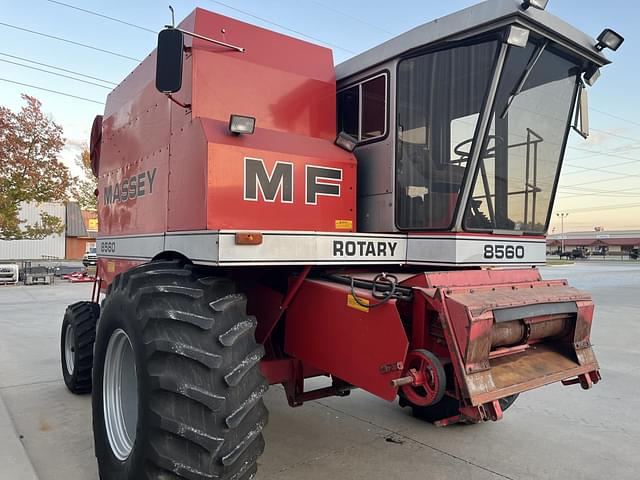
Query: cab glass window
[374, 115]
[349, 110]
[517, 173]
[362, 109]
[440, 97]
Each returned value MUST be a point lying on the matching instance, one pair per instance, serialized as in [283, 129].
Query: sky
[599, 184]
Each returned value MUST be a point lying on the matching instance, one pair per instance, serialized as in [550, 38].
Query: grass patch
[560, 262]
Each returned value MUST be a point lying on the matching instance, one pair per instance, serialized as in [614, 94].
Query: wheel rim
[69, 349]
[425, 367]
[120, 394]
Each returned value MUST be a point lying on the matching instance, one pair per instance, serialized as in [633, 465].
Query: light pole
[562, 215]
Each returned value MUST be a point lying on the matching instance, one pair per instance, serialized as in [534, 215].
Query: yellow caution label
[351, 303]
[111, 267]
[344, 224]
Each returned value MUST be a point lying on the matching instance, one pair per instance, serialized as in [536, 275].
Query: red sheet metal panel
[288, 86]
[187, 209]
[469, 278]
[286, 83]
[134, 162]
[364, 348]
[169, 168]
[107, 269]
[227, 207]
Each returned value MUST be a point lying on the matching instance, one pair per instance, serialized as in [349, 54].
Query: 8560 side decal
[500, 251]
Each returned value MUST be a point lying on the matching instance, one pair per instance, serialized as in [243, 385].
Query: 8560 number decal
[107, 247]
[499, 252]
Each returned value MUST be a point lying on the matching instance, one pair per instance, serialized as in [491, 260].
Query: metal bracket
[208, 39]
[201, 37]
[296, 395]
[186, 106]
[391, 367]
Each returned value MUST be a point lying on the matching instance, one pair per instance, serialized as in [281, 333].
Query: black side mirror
[582, 113]
[169, 60]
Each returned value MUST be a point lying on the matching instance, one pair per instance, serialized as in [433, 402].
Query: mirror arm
[186, 106]
[579, 132]
[207, 39]
[173, 17]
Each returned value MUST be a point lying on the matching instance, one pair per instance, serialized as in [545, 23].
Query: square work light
[609, 39]
[517, 36]
[240, 124]
[539, 4]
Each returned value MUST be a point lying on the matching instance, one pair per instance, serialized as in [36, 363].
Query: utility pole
[562, 215]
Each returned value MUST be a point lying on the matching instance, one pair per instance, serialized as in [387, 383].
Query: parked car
[90, 258]
[8, 273]
[576, 253]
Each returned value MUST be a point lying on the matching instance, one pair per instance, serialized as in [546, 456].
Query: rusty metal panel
[539, 365]
[540, 335]
[481, 299]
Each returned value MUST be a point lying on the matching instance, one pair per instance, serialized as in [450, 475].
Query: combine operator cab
[468, 119]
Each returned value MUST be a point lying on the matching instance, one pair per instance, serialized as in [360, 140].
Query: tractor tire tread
[83, 317]
[203, 389]
[163, 346]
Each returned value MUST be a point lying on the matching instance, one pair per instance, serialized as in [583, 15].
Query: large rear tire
[76, 345]
[177, 385]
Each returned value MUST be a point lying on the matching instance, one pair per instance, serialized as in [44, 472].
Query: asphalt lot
[551, 433]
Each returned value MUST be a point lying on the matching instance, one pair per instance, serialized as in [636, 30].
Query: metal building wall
[51, 246]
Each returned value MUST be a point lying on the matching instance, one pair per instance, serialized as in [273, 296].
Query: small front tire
[77, 337]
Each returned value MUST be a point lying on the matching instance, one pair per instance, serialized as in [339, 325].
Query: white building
[51, 247]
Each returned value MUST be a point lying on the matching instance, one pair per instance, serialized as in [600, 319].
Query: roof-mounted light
[240, 124]
[517, 36]
[539, 4]
[609, 39]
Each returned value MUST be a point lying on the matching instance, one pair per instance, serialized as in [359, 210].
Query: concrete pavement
[554, 432]
[15, 463]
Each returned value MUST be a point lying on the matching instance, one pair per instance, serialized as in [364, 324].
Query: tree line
[31, 171]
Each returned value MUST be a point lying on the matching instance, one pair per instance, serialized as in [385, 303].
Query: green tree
[30, 170]
[85, 188]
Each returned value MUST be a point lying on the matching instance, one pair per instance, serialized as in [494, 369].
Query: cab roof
[472, 20]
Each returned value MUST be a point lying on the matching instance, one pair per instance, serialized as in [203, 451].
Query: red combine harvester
[244, 244]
